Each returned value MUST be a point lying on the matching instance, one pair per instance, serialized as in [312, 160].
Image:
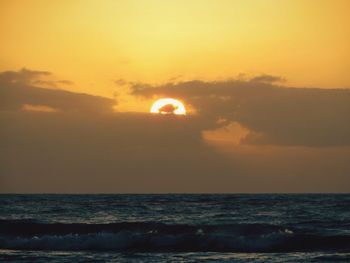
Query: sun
[168, 106]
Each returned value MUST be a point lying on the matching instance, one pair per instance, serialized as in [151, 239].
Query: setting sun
[160, 122]
[168, 106]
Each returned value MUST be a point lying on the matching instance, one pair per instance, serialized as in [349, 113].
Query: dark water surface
[175, 228]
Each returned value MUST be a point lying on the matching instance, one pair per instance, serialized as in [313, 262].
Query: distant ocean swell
[157, 237]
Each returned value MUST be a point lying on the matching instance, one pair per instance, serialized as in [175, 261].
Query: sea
[175, 228]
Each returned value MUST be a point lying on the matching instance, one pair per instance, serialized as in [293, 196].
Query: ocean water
[175, 228]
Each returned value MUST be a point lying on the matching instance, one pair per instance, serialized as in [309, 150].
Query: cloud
[273, 114]
[267, 78]
[120, 152]
[22, 77]
[135, 152]
[67, 142]
[50, 144]
[51, 83]
[17, 88]
[31, 77]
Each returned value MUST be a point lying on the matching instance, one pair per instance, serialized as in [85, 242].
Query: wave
[158, 237]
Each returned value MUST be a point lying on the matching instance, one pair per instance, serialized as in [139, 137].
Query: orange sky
[78, 78]
[93, 43]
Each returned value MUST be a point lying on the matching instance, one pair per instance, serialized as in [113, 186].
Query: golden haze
[93, 43]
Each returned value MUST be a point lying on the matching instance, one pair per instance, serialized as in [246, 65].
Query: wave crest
[157, 237]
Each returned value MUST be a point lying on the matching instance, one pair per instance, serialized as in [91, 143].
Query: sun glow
[168, 106]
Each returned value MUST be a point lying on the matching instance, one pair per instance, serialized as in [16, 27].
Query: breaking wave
[158, 237]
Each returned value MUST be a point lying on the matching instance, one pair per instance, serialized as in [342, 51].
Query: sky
[266, 87]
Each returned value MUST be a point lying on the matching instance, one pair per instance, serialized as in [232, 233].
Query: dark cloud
[52, 83]
[273, 114]
[102, 151]
[31, 77]
[168, 109]
[267, 78]
[125, 152]
[18, 89]
[22, 77]
[85, 147]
